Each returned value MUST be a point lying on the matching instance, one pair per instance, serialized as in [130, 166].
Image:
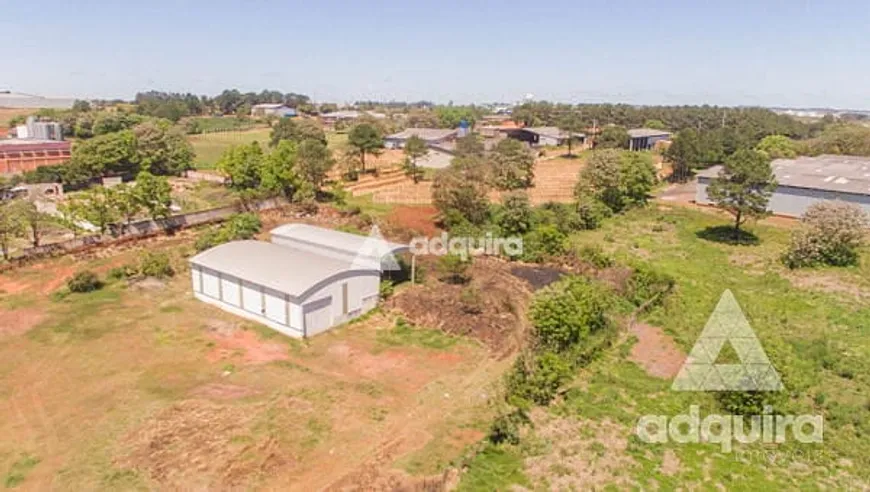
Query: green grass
[404, 334]
[818, 338]
[215, 124]
[204, 195]
[18, 471]
[494, 468]
[210, 146]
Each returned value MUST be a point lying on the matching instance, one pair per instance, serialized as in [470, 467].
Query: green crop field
[210, 146]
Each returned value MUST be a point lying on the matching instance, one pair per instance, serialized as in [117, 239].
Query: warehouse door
[318, 316]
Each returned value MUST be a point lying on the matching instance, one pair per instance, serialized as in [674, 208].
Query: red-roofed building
[21, 155]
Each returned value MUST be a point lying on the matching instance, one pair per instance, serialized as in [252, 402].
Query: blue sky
[761, 52]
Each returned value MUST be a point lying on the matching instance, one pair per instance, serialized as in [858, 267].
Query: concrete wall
[791, 201]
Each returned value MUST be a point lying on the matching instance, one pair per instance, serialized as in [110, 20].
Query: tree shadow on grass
[728, 235]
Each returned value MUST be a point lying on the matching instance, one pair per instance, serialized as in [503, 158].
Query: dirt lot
[554, 181]
[133, 387]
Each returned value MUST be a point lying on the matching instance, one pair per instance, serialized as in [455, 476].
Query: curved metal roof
[281, 268]
[352, 245]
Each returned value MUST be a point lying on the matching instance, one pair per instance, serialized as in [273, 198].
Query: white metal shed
[298, 292]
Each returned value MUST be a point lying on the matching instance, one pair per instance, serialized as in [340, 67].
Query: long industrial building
[306, 281]
[808, 180]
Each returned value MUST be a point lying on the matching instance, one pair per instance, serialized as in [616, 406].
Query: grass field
[813, 325]
[210, 146]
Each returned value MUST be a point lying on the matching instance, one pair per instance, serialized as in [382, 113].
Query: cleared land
[141, 386]
[554, 182]
[813, 325]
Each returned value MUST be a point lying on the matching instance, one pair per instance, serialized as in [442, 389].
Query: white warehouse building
[304, 282]
[804, 181]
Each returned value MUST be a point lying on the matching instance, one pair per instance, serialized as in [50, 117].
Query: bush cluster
[85, 281]
[156, 264]
[830, 234]
[238, 227]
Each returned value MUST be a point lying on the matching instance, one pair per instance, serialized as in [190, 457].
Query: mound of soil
[496, 317]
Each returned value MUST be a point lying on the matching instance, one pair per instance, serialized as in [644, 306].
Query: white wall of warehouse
[791, 201]
[282, 312]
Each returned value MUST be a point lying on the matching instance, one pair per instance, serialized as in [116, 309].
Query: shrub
[537, 378]
[506, 427]
[595, 256]
[386, 289]
[515, 215]
[645, 283]
[543, 242]
[237, 227]
[454, 268]
[831, 234]
[85, 281]
[567, 313]
[122, 272]
[591, 212]
[156, 264]
[243, 226]
[562, 215]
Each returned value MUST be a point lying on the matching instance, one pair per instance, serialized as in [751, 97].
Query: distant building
[441, 143]
[646, 138]
[348, 115]
[39, 130]
[544, 135]
[279, 110]
[429, 135]
[21, 155]
[808, 180]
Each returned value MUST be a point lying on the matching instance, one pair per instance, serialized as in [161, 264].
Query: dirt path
[655, 351]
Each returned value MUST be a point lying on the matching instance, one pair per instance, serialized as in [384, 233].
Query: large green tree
[744, 186]
[279, 173]
[96, 205]
[315, 162]
[34, 220]
[618, 179]
[415, 149]
[11, 227]
[513, 165]
[162, 149]
[460, 191]
[777, 147]
[242, 165]
[296, 130]
[365, 138]
[612, 137]
[154, 193]
[684, 154]
[113, 153]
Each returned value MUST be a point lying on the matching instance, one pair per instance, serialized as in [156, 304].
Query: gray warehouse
[304, 282]
[808, 180]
